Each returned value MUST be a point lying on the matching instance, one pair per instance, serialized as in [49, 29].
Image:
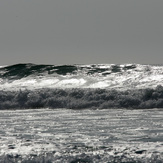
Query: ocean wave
[19, 71]
[82, 98]
[81, 86]
[105, 76]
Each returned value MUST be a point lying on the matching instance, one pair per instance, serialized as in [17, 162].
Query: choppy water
[64, 135]
[107, 76]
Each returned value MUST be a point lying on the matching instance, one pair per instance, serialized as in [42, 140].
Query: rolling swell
[82, 98]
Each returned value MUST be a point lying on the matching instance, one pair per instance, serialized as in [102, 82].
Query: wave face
[81, 86]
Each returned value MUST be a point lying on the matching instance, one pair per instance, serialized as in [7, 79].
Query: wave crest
[106, 76]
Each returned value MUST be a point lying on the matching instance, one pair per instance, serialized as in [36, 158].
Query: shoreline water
[64, 135]
[82, 98]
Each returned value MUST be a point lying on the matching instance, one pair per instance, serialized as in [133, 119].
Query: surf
[104, 76]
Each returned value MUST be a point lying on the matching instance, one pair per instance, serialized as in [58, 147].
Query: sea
[96, 113]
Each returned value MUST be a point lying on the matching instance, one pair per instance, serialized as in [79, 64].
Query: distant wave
[82, 98]
[105, 76]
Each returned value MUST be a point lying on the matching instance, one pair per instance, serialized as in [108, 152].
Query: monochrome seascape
[81, 113]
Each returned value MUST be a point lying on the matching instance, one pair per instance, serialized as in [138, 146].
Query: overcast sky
[81, 31]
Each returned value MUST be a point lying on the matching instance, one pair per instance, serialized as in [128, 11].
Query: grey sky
[81, 31]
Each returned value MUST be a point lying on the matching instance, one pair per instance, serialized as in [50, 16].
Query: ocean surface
[81, 113]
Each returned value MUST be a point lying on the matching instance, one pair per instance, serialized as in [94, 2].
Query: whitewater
[107, 76]
[81, 113]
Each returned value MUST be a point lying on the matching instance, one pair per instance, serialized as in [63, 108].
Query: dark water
[64, 135]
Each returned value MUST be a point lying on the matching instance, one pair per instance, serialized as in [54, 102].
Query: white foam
[143, 76]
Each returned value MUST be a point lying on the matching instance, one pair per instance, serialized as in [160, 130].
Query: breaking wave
[107, 76]
[81, 86]
[82, 98]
